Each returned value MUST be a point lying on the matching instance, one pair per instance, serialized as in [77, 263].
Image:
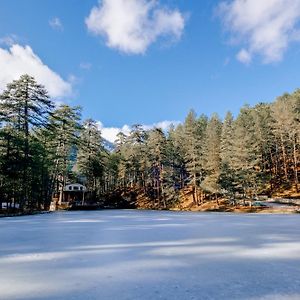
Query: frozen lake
[139, 255]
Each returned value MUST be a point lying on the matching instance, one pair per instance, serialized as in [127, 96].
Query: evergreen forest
[45, 146]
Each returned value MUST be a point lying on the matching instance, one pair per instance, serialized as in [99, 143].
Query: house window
[76, 188]
[70, 188]
[81, 188]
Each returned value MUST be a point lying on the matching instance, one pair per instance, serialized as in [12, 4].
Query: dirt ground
[186, 203]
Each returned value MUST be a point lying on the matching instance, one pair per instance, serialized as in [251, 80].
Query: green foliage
[91, 154]
[43, 148]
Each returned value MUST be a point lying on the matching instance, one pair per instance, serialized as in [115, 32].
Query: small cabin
[74, 193]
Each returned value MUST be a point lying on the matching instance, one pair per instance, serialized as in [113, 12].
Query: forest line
[44, 147]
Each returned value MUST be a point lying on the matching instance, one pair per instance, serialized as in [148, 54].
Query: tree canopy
[44, 146]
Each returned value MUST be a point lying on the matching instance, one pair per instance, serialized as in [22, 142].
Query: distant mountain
[109, 146]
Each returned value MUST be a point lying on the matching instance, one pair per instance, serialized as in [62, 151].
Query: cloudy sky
[151, 61]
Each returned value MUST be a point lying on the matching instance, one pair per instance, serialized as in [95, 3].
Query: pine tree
[90, 158]
[178, 141]
[25, 106]
[285, 112]
[296, 135]
[64, 129]
[193, 146]
[136, 139]
[245, 154]
[156, 144]
[227, 173]
[264, 136]
[174, 168]
[212, 155]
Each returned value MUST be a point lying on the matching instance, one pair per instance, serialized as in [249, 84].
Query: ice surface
[127, 254]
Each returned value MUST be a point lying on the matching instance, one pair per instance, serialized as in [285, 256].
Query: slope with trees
[44, 147]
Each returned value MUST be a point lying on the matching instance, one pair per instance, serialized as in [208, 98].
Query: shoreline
[233, 210]
[21, 214]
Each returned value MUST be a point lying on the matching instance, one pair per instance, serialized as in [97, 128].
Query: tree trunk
[284, 158]
[195, 200]
[295, 162]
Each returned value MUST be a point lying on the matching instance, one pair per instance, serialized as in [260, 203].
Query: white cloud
[244, 56]
[131, 26]
[9, 40]
[110, 133]
[19, 60]
[263, 27]
[164, 125]
[56, 24]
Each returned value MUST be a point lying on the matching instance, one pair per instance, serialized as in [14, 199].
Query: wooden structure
[74, 193]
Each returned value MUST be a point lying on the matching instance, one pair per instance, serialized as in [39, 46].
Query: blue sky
[137, 61]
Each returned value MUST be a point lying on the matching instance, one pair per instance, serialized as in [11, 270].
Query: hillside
[283, 201]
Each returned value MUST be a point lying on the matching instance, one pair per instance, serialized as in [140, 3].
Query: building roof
[74, 187]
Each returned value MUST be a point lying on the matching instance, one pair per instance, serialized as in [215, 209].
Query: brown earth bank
[283, 202]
